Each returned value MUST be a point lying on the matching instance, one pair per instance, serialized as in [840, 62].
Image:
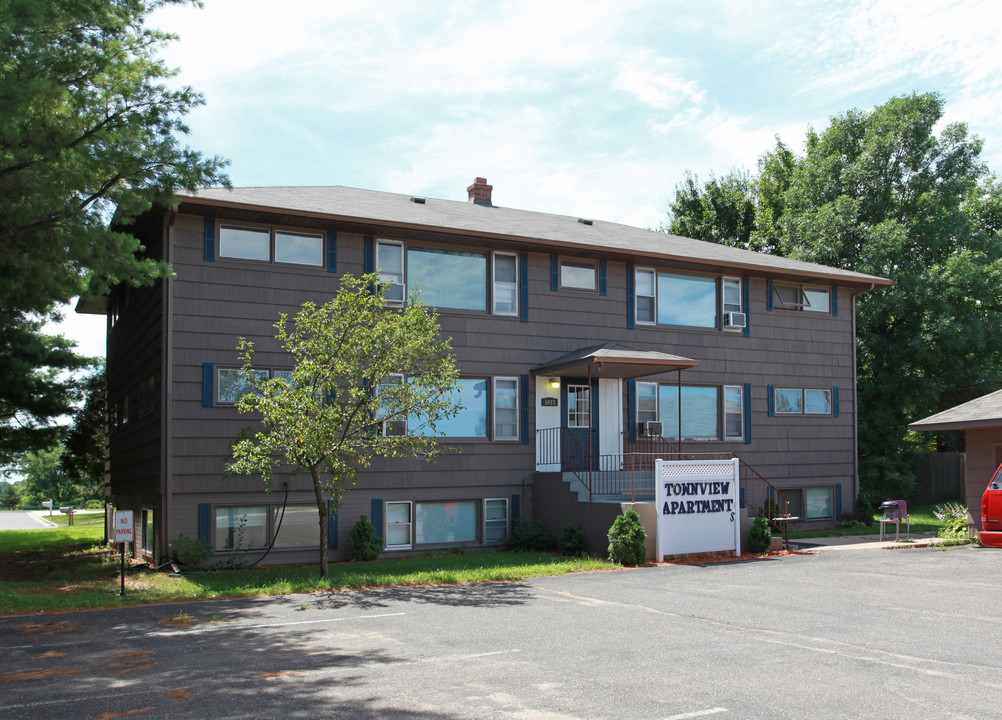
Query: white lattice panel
[697, 506]
[673, 470]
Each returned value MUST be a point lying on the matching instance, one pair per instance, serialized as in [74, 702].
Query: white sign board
[124, 531]
[698, 506]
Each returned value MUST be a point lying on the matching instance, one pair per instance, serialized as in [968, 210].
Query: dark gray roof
[613, 360]
[554, 231]
[985, 411]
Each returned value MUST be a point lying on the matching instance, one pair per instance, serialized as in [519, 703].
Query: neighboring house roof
[985, 411]
[555, 232]
[613, 360]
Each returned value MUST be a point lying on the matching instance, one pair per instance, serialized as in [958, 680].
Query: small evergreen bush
[365, 544]
[572, 542]
[864, 507]
[534, 537]
[626, 540]
[759, 535]
[192, 553]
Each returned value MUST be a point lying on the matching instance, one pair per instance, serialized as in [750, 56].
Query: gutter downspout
[855, 399]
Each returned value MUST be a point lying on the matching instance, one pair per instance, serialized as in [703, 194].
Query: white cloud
[648, 78]
[412, 98]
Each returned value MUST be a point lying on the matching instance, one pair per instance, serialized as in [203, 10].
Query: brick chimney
[480, 192]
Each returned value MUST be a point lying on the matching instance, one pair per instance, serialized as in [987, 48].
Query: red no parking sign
[124, 533]
[124, 529]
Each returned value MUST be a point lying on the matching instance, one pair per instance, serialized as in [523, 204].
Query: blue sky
[592, 109]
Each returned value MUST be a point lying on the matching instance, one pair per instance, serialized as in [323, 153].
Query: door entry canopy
[613, 360]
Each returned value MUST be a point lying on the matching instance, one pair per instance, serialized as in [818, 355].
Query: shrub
[192, 553]
[626, 540]
[865, 507]
[93, 505]
[365, 545]
[759, 535]
[572, 542]
[534, 537]
[770, 508]
[954, 518]
[848, 522]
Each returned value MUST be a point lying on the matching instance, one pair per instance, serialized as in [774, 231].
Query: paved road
[18, 520]
[867, 634]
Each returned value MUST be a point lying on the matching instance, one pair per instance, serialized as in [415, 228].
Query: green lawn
[922, 520]
[85, 519]
[69, 568]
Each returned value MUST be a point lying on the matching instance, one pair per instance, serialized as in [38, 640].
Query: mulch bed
[716, 558]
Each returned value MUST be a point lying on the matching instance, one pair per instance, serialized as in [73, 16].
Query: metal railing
[631, 474]
[559, 446]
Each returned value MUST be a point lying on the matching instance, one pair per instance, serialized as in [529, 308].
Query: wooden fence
[940, 478]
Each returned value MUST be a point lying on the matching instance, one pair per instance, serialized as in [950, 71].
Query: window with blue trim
[709, 412]
[803, 401]
[666, 298]
[244, 242]
[469, 422]
[812, 503]
[647, 294]
[473, 420]
[505, 288]
[805, 298]
[578, 275]
[734, 416]
[506, 410]
[448, 278]
[231, 384]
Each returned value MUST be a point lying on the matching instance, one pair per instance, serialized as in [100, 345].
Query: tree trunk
[324, 521]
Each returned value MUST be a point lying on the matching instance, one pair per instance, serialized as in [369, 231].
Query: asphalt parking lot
[838, 634]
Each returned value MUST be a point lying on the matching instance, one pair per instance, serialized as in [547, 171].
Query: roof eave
[863, 282]
[922, 426]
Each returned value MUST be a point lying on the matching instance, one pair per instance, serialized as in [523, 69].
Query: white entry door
[610, 422]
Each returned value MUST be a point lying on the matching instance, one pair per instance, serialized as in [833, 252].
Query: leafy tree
[10, 494]
[88, 127]
[345, 392]
[44, 478]
[83, 459]
[880, 192]
[722, 210]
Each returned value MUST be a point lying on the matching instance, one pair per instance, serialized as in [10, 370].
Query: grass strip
[922, 520]
[70, 569]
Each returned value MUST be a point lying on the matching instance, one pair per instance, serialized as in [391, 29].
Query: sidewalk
[42, 518]
[865, 542]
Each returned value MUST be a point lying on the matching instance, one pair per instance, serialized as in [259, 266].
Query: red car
[991, 512]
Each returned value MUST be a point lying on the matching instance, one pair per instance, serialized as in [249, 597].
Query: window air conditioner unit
[394, 293]
[735, 320]
[651, 428]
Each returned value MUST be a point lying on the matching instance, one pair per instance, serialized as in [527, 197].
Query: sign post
[124, 533]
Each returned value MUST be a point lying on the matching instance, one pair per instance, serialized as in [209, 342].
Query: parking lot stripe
[697, 714]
